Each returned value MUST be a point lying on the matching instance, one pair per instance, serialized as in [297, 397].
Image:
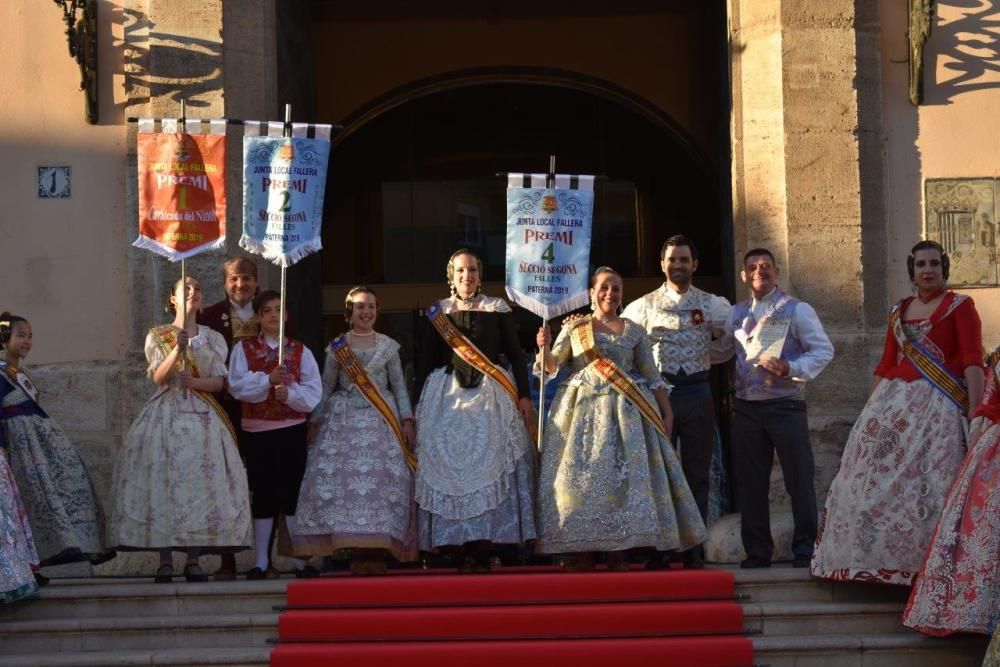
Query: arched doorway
[436, 98]
[419, 173]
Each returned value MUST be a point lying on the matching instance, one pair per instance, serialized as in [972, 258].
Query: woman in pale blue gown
[610, 480]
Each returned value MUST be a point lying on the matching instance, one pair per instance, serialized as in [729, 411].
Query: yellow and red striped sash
[929, 369]
[473, 356]
[583, 335]
[166, 337]
[350, 365]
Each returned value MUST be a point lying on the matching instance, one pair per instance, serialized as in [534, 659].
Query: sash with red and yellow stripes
[166, 337]
[929, 369]
[350, 365]
[583, 335]
[473, 356]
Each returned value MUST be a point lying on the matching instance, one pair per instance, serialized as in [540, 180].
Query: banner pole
[281, 313]
[550, 181]
[182, 126]
[184, 391]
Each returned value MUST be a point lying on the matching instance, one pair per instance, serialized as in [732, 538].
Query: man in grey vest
[686, 327]
[780, 345]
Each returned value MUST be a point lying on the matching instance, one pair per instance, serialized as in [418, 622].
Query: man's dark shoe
[256, 574]
[693, 560]
[754, 562]
[308, 572]
[658, 561]
[801, 561]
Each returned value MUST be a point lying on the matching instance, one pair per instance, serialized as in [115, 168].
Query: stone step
[819, 618]
[139, 633]
[869, 650]
[123, 597]
[795, 620]
[92, 597]
[188, 657]
[783, 583]
[234, 630]
[892, 650]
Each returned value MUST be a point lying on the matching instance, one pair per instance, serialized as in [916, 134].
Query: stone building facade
[801, 114]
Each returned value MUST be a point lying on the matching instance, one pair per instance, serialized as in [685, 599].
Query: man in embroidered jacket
[233, 318]
[686, 326]
[771, 409]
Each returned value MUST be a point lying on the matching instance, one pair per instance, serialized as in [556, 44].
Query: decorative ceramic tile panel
[961, 215]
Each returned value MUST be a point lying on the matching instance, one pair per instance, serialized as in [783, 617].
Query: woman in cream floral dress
[179, 482]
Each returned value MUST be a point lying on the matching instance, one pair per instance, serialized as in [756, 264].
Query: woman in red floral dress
[909, 441]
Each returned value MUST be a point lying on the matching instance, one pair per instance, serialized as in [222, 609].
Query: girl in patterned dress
[179, 482]
[357, 492]
[18, 557]
[65, 516]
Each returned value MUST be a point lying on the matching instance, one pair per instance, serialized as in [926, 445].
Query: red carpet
[540, 618]
[513, 588]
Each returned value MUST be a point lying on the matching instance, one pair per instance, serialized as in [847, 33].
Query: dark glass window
[425, 178]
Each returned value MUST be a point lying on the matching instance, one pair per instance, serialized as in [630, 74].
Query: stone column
[805, 127]
[176, 50]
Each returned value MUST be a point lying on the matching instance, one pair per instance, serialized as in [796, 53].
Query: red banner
[182, 193]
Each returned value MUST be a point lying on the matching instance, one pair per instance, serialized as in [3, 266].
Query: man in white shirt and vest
[686, 327]
[780, 345]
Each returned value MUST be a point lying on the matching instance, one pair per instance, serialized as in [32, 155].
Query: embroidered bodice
[490, 327]
[951, 336]
[208, 351]
[631, 351]
[385, 370]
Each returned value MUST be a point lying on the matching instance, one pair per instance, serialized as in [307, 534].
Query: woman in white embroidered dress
[179, 483]
[906, 447]
[357, 492]
[609, 480]
[475, 481]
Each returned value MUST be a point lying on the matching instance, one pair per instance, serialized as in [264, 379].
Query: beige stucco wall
[63, 259]
[68, 264]
[806, 182]
[954, 134]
